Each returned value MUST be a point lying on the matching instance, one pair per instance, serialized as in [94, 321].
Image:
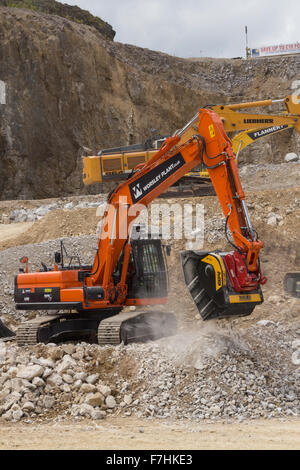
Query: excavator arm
[245, 138]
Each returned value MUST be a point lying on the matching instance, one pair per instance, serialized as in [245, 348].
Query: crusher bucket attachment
[292, 284]
[214, 287]
[5, 333]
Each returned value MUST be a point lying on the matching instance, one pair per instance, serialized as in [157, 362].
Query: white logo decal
[137, 191]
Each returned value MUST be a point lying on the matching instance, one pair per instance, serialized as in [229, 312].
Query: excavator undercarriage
[105, 328]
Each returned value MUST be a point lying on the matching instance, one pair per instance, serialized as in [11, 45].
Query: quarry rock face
[65, 87]
[71, 12]
[64, 90]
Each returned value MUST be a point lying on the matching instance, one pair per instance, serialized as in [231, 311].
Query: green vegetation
[72, 13]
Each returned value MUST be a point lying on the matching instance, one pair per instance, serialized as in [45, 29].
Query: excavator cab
[150, 277]
[147, 273]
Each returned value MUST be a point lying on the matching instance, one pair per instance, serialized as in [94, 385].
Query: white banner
[293, 48]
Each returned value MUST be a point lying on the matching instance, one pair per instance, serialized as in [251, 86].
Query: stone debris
[31, 215]
[212, 373]
[266, 323]
[291, 157]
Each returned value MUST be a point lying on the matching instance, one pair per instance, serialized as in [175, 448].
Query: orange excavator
[130, 270]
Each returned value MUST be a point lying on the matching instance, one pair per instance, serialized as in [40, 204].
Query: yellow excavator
[119, 163]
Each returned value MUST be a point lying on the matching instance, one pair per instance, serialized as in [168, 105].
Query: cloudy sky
[199, 28]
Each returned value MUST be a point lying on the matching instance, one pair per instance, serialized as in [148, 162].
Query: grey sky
[195, 28]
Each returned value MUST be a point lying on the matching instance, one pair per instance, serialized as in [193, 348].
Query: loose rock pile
[51, 378]
[33, 214]
[208, 374]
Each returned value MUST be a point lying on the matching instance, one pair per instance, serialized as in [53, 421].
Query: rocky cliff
[65, 87]
[64, 10]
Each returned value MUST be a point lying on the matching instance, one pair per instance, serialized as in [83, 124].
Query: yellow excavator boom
[114, 166]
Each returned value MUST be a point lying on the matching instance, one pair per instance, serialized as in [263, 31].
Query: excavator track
[27, 333]
[109, 330]
[136, 327]
[122, 328]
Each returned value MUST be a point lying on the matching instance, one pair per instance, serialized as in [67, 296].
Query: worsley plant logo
[137, 191]
[149, 181]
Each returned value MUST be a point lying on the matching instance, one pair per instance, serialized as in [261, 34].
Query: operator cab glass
[147, 272]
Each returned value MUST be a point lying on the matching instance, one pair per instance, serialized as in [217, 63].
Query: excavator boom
[235, 119]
